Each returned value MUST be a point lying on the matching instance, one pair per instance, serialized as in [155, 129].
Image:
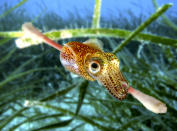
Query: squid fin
[95, 43]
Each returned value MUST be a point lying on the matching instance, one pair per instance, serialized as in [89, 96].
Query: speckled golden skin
[76, 57]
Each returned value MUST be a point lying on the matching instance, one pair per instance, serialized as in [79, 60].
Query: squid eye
[94, 67]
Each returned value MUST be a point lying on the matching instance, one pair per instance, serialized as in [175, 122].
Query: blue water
[85, 8]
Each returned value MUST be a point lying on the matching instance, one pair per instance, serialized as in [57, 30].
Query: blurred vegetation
[35, 77]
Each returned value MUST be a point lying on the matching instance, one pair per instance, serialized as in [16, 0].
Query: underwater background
[37, 93]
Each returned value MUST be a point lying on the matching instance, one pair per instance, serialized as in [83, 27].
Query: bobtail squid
[88, 60]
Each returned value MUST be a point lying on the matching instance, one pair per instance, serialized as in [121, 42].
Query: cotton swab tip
[149, 102]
